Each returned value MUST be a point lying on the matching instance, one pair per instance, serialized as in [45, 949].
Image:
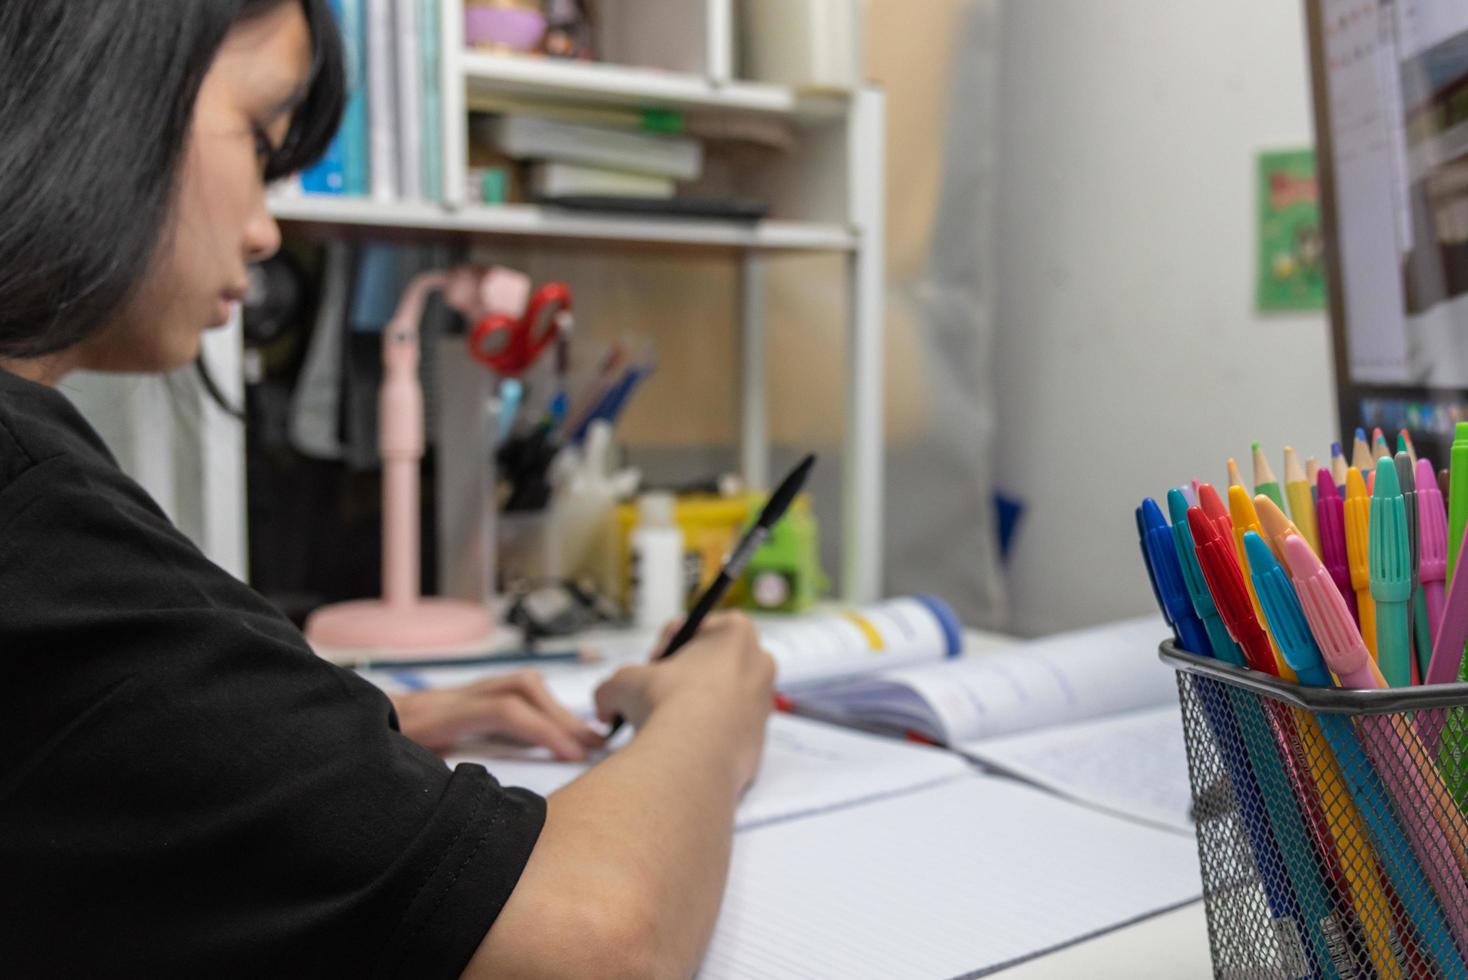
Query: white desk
[1171, 946]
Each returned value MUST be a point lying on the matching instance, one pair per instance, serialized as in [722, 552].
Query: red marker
[1215, 509]
[1220, 564]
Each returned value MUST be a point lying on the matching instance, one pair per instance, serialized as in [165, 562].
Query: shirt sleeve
[186, 789]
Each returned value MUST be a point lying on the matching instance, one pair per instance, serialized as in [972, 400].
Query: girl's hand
[516, 706]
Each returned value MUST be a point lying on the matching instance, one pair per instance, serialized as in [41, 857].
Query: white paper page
[1057, 680]
[967, 876]
[1134, 764]
[807, 768]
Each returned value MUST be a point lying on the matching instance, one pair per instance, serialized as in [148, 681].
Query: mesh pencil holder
[1331, 830]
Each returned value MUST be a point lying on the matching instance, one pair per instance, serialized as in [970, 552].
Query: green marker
[1265, 481]
[1389, 555]
[1458, 494]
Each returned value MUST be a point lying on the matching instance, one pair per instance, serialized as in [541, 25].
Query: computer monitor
[1390, 80]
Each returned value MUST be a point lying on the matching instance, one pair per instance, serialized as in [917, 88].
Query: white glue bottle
[659, 594]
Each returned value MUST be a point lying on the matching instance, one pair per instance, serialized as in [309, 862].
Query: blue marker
[1172, 591]
[1282, 610]
[1223, 646]
[1152, 575]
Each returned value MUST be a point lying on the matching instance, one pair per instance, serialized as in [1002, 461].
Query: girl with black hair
[185, 789]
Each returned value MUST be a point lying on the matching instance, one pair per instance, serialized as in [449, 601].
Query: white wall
[1129, 355]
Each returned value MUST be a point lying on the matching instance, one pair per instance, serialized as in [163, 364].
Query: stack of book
[390, 145]
[560, 157]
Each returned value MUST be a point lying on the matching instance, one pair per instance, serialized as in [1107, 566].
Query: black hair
[96, 101]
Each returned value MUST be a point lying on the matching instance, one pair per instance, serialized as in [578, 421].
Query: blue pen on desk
[1222, 645]
[1253, 809]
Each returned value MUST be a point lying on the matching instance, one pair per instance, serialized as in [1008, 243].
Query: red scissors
[509, 345]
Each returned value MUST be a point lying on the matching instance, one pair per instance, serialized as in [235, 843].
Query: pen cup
[1330, 839]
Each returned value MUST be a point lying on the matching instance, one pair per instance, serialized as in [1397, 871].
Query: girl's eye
[264, 149]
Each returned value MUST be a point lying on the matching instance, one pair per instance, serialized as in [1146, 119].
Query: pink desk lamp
[403, 622]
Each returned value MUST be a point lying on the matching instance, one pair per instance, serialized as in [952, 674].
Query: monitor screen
[1391, 109]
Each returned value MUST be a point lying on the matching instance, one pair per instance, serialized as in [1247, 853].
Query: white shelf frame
[860, 239]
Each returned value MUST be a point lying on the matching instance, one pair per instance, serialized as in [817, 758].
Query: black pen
[774, 509]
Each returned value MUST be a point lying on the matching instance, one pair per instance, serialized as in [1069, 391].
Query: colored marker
[1274, 526]
[1330, 620]
[1358, 531]
[1223, 646]
[1361, 457]
[1432, 546]
[1234, 479]
[1302, 503]
[1152, 573]
[1330, 513]
[1245, 518]
[1342, 839]
[1417, 623]
[1457, 494]
[1219, 562]
[1338, 641]
[1338, 468]
[1215, 509]
[1172, 590]
[1405, 445]
[1389, 555]
[1265, 481]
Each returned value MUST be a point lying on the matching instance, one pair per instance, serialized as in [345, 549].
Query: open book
[1089, 714]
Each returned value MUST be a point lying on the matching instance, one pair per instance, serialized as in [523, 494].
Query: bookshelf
[827, 196]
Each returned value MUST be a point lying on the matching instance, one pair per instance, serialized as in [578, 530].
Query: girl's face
[219, 222]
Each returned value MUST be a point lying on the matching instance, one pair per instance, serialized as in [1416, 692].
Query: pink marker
[1399, 757]
[1330, 519]
[1432, 544]
[1330, 619]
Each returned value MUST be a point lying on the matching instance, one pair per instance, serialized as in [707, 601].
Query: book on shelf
[432, 94]
[409, 99]
[381, 102]
[554, 179]
[390, 143]
[528, 137]
[341, 168]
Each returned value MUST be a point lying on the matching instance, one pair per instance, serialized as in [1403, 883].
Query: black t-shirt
[185, 789]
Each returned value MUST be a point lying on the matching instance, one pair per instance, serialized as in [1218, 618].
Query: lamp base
[431, 627]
